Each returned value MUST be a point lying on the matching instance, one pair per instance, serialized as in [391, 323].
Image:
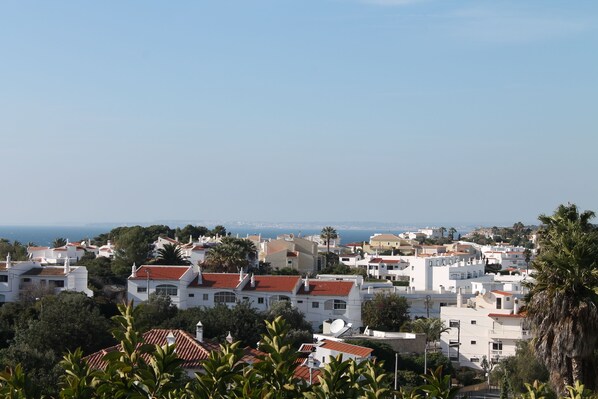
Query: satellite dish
[337, 325]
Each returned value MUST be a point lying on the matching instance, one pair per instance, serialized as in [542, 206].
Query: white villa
[188, 286]
[488, 325]
[18, 277]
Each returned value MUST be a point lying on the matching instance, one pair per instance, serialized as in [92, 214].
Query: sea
[44, 235]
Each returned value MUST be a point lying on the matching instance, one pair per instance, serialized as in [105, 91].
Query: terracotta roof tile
[37, 248]
[217, 280]
[187, 348]
[518, 315]
[343, 347]
[303, 373]
[160, 272]
[273, 283]
[499, 292]
[327, 288]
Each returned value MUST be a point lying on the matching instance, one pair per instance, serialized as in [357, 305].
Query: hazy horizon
[416, 111]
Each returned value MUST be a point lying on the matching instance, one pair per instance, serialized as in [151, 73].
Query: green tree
[562, 303]
[451, 233]
[300, 331]
[521, 368]
[170, 254]
[386, 311]
[131, 247]
[191, 231]
[232, 255]
[432, 327]
[218, 230]
[59, 242]
[328, 233]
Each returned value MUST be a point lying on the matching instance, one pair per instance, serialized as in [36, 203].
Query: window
[27, 280]
[3, 278]
[497, 346]
[141, 289]
[474, 322]
[225, 297]
[345, 260]
[191, 295]
[299, 301]
[474, 359]
[167, 289]
[205, 297]
[508, 299]
[473, 342]
[443, 304]
[275, 298]
[260, 300]
[315, 305]
[340, 305]
[57, 283]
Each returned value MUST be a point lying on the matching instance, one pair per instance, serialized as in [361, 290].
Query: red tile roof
[343, 347]
[499, 292]
[273, 283]
[291, 254]
[37, 248]
[187, 348]
[307, 348]
[217, 280]
[160, 272]
[327, 288]
[386, 261]
[303, 373]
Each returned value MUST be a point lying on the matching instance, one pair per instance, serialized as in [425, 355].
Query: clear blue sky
[333, 110]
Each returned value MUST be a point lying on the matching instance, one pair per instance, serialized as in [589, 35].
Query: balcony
[509, 334]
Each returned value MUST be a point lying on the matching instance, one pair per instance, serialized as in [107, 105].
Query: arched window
[275, 298]
[225, 297]
[167, 289]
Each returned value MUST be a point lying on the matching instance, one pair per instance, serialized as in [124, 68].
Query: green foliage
[132, 247]
[386, 312]
[170, 254]
[328, 233]
[59, 242]
[521, 368]
[191, 231]
[341, 268]
[16, 250]
[232, 255]
[154, 312]
[299, 330]
[563, 302]
[432, 327]
[438, 386]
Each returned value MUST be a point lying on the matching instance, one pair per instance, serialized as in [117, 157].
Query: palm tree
[451, 233]
[59, 242]
[442, 231]
[232, 255]
[328, 233]
[563, 302]
[171, 254]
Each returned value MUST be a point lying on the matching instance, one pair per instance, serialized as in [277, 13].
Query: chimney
[176, 238]
[459, 298]
[370, 290]
[199, 277]
[190, 238]
[516, 306]
[229, 338]
[306, 284]
[108, 243]
[8, 261]
[241, 275]
[170, 339]
[252, 281]
[133, 271]
[199, 331]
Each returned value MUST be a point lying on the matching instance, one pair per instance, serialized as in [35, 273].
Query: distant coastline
[44, 235]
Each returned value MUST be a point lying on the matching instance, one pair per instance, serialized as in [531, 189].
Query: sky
[412, 111]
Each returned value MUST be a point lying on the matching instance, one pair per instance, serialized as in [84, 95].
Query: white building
[57, 256]
[188, 287]
[488, 325]
[19, 277]
[505, 255]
